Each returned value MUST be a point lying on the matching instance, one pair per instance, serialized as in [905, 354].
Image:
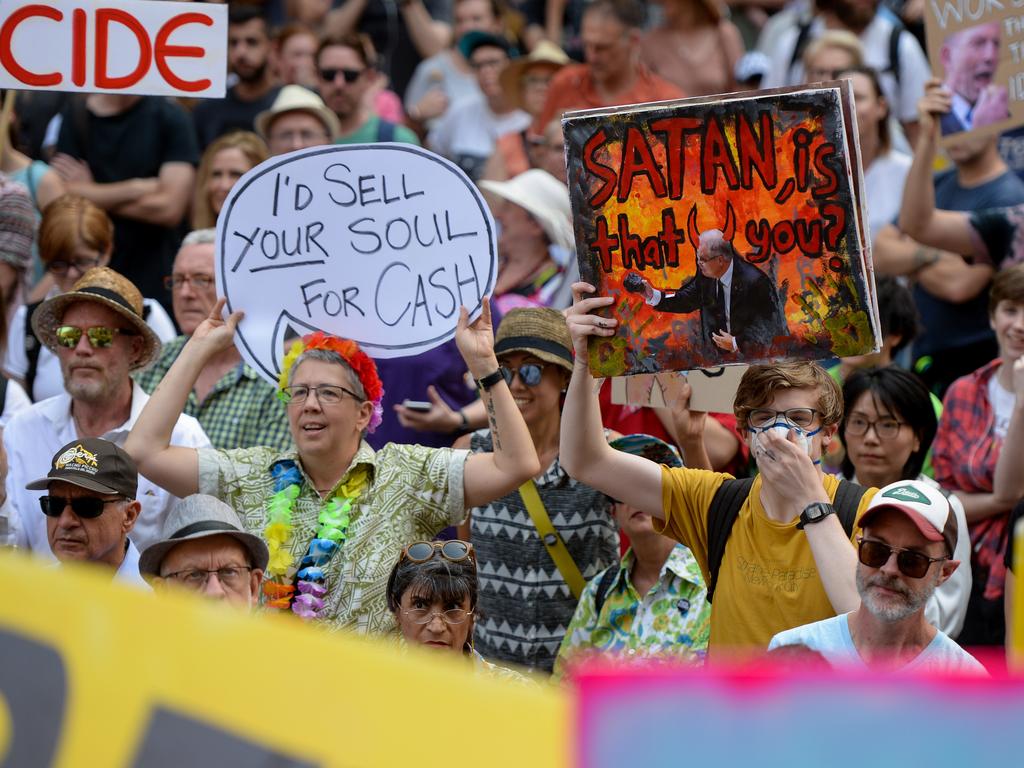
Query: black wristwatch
[488, 381]
[815, 513]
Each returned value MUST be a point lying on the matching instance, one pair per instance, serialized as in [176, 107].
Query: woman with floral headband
[334, 512]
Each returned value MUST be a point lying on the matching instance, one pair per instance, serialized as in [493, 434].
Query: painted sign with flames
[728, 231]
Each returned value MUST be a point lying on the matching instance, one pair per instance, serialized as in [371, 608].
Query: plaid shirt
[964, 458]
[242, 410]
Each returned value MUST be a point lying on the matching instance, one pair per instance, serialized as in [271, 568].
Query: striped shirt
[524, 605]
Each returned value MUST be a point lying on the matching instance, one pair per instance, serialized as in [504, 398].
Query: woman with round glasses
[432, 592]
[522, 586]
[333, 511]
[75, 235]
[888, 427]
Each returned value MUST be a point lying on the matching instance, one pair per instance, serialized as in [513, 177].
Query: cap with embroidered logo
[926, 507]
[94, 464]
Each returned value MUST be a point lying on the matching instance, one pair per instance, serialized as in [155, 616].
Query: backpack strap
[603, 586]
[894, 50]
[847, 502]
[385, 130]
[722, 514]
[33, 346]
[803, 37]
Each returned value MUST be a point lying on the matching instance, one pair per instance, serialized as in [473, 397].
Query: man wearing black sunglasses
[90, 506]
[905, 551]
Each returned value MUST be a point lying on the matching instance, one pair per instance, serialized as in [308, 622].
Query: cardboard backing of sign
[117, 46]
[712, 390]
[777, 175]
[977, 49]
[379, 243]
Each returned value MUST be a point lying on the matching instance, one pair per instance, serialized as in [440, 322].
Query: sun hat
[926, 507]
[17, 224]
[650, 447]
[101, 285]
[542, 196]
[295, 98]
[94, 464]
[545, 54]
[541, 331]
[197, 517]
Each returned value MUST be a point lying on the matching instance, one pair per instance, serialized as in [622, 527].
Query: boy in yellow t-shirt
[787, 561]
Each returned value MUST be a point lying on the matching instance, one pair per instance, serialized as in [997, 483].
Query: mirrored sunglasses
[99, 336]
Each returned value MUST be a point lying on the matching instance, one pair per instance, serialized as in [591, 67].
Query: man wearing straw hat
[298, 119]
[98, 334]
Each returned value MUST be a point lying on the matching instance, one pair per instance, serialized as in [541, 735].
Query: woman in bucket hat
[531, 576]
[334, 511]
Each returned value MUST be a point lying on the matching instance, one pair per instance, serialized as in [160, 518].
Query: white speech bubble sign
[379, 243]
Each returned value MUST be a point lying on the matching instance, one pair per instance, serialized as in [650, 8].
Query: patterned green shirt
[672, 619]
[241, 411]
[413, 493]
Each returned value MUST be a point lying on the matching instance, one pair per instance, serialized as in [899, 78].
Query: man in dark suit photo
[739, 306]
[970, 59]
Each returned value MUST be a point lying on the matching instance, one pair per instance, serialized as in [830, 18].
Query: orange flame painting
[729, 231]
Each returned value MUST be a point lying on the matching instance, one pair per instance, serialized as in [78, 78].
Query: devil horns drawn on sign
[738, 305]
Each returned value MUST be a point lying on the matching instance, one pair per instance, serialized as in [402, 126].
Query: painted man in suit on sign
[739, 309]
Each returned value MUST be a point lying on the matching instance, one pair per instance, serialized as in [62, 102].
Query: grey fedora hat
[196, 517]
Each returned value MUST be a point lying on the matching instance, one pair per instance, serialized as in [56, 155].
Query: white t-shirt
[467, 132]
[14, 401]
[1002, 401]
[49, 380]
[902, 96]
[831, 638]
[883, 182]
[34, 435]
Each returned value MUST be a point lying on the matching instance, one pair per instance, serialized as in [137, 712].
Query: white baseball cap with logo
[926, 506]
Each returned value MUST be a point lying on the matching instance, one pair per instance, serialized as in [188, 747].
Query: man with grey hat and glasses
[90, 506]
[905, 551]
[206, 549]
[98, 334]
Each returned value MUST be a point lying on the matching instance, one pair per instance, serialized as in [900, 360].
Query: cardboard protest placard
[115, 46]
[712, 390]
[378, 243]
[977, 49]
[727, 230]
[660, 716]
[131, 678]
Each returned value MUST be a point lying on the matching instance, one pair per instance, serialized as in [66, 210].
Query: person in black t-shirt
[249, 49]
[135, 157]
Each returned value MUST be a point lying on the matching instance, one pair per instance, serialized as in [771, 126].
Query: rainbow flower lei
[305, 597]
[360, 363]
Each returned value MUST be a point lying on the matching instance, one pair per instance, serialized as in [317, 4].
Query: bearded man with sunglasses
[905, 552]
[90, 506]
[97, 332]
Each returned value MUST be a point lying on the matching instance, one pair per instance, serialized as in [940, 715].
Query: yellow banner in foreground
[98, 674]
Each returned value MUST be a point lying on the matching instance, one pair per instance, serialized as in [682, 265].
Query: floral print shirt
[672, 619]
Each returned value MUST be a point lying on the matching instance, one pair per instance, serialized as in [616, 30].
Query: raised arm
[173, 467]
[950, 230]
[583, 450]
[489, 476]
[1008, 485]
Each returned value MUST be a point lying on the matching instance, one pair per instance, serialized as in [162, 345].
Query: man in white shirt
[98, 334]
[83, 524]
[905, 552]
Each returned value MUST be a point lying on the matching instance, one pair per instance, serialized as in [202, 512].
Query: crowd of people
[854, 512]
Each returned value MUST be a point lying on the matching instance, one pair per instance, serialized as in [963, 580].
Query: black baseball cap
[94, 464]
[474, 39]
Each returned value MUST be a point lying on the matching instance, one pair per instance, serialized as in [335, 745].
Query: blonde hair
[836, 38]
[249, 144]
[760, 383]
